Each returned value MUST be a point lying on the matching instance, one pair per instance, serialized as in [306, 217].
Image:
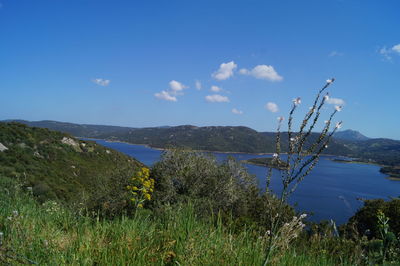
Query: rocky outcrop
[2, 147]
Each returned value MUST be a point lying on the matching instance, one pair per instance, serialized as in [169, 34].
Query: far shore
[266, 153]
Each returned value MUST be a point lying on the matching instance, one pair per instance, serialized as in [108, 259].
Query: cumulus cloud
[216, 98]
[262, 72]
[215, 89]
[197, 84]
[236, 111]
[165, 95]
[336, 101]
[225, 71]
[175, 90]
[101, 82]
[272, 107]
[387, 52]
[176, 86]
[396, 48]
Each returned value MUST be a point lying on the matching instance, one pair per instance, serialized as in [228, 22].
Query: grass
[52, 235]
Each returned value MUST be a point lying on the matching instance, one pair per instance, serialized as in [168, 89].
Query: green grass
[52, 235]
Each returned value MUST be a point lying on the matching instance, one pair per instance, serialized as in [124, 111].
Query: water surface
[331, 191]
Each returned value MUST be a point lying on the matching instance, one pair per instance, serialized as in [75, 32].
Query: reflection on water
[332, 191]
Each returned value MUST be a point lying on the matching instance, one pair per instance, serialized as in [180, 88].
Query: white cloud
[225, 71]
[244, 71]
[165, 95]
[176, 89]
[197, 84]
[396, 48]
[236, 111]
[336, 101]
[176, 86]
[387, 52]
[262, 72]
[215, 89]
[216, 98]
[102, 82]
[272, 107]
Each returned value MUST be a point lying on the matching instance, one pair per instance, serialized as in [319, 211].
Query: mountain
[60, 167]
[232, 139]
[349, 134]
[78, 130]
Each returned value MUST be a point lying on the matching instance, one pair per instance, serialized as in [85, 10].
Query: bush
[186, 176]
[365, 221]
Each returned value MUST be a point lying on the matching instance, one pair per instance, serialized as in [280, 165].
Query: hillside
[58, 166]
[352, 135]
[232, 139]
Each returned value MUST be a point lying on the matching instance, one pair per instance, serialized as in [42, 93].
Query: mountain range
[349, 143]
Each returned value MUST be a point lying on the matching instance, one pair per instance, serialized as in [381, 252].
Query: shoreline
[395, 178]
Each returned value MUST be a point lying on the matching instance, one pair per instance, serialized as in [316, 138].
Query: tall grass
[52, 235]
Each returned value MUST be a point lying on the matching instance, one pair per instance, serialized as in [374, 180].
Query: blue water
[329, 192]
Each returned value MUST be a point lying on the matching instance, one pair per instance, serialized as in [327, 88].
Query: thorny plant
[302, 156]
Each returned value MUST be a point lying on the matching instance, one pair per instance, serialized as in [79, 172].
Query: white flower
[268, 232]
[280, 118]
[297, 101]
[338, 108]
[338, 125]
[326, 121]
[326, 97]
[292, 139]
[15, 213]
[326, 146]
[329, 81]
[275, 155]
[304, 215]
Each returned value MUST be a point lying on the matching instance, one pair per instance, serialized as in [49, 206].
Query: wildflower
[338, 108]
[297, 101]
[326, 97]
[280, 118]
[326, 146]
[292, 139]
[15, 213]
[268, 232]
[329, 81]
[304, 215]
[275, 155]
[338, 125]
[326, 121]
[147, 196]
[140, 205]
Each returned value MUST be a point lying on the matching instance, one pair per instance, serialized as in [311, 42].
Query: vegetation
[268, 162]
[171, 231]
[234, 139]
[59, 167]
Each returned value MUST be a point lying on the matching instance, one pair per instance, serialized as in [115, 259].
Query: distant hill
[232, 139]
[57, 166]
[78, 130]
[350, 135]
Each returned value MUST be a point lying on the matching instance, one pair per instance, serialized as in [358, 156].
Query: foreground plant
[302, 156]
[141, 187]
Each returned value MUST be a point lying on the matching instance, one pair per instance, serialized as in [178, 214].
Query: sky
[203, 63]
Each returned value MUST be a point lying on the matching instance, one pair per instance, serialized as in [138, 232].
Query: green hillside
[232, 139]
[58, 166]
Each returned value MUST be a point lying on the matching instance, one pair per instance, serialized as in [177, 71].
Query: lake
[331, 191]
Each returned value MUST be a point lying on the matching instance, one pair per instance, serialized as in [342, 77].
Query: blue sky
[136, 63]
